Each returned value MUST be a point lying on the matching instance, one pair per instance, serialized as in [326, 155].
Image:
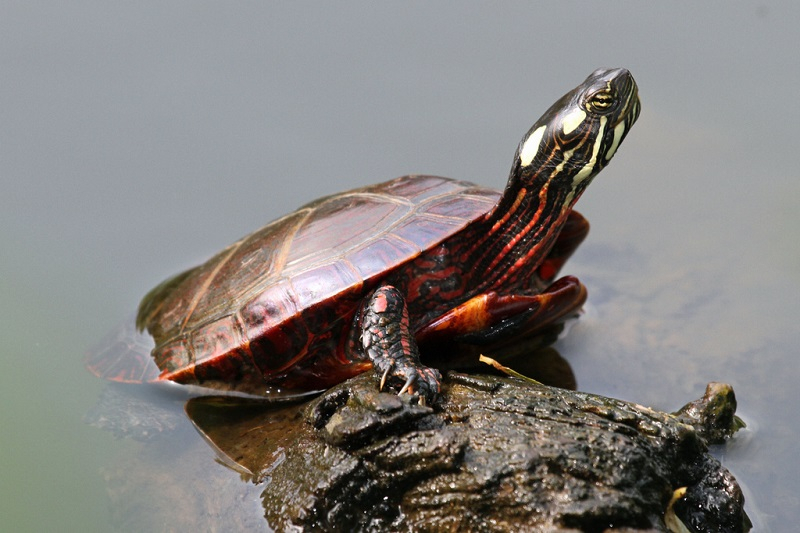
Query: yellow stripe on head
[573, 120]
[588, 167]
[531, 146]
[619, 129]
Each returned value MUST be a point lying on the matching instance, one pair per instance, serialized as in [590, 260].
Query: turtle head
[577, 137]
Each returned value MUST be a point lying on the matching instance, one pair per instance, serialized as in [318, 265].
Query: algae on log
[501, 454]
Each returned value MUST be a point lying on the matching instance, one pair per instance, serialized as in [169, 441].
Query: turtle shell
[275, 307]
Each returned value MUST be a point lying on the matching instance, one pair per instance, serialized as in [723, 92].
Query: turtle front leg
[387, 340]
[491, 317]
[575, 230]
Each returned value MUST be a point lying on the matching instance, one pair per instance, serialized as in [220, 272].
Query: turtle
[369, 277]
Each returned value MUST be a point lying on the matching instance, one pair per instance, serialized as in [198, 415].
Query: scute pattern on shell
[300, 279]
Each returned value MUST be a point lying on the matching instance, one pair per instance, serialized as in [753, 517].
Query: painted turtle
[352, 280]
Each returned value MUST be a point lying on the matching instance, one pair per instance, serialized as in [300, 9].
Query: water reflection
[205, 465]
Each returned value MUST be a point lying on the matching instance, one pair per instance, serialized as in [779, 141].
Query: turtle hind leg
[387, 340]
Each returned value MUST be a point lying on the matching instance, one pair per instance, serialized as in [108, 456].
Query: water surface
[137, 140]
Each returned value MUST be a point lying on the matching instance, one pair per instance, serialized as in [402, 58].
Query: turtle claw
[385, 375]
[387, 340]
[407, 377]
[407, 385]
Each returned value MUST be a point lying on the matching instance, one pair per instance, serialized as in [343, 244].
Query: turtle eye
[601, 101]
